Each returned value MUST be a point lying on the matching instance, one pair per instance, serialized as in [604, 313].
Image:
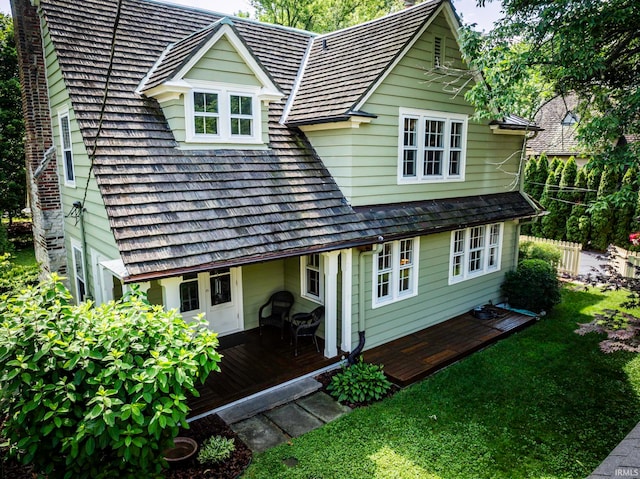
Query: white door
[224, 300]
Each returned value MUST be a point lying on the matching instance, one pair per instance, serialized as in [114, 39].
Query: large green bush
[533, 286]
[534, 250]
[96, 392]
[15, 277]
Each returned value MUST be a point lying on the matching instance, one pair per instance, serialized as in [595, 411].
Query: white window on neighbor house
[189, 293]
[395, 271]
[78, 271]
[67, 150]
[475, 251]
[222, 116]
[432, 146]
[312, 278]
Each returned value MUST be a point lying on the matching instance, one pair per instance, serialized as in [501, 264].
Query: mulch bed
[191, 469]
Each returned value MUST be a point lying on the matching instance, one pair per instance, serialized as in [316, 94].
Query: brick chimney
[42, 175]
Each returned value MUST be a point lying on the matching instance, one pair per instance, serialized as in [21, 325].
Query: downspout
[353, 355]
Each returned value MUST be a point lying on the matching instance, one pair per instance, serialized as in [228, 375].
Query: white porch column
[331, 303]
[347, 298]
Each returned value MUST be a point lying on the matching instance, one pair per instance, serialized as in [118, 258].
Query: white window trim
[224, 93]
[486, 268]
[303, 280]
[62, 114]
[421, 116]
[396, 295]
[76, 245]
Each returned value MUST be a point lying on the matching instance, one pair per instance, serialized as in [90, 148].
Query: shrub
[96, 392]
[216, 449]
[533, 286]
[361, 382]
[5, 243]
[543, 251]
[14, 277]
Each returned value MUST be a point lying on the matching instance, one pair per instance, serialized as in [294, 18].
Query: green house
[216, 160]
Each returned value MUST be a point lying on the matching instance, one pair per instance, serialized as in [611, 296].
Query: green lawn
[544, 403]
[24, 257]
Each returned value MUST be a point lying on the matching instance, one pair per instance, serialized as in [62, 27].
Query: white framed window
[222, 115]
[432, 146]
[312, 278]
[66, 148]
[395, 271]
[78, 271]
[475, 251]
[189, 293]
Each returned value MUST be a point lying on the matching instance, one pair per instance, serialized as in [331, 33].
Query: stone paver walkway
[275, 426]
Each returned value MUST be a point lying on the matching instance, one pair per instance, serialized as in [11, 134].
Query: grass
[24, 257]
[544, 403]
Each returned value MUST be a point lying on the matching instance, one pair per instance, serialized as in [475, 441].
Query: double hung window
[312, 278]
[67, 150]
[78, 269]
[395, 271]
[432, 146]
[475, 251]
[222, 115]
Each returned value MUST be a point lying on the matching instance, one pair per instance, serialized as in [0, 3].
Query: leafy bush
[5, 243]
[14, 277]
[361, 382]
[96, 392]
[216, 449]
[543, 251]
[533, 286]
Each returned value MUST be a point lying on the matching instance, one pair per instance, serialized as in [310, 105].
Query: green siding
[223, 64]
[436, 301]
[364, 160]
[259, 281]
[98, 232]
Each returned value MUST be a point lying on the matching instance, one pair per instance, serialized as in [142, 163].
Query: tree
[322, 15]
[624, 202]
[588, 47]
[12, 166]
[552, 225]
[602, 214]
[578, 222]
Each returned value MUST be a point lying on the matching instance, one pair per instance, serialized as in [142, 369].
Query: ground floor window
[395, 271]
[189, 296]
[78, 269]
[475, 251]
[312, 278]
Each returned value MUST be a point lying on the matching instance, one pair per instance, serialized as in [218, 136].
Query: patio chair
[306, 324]
[275, 312]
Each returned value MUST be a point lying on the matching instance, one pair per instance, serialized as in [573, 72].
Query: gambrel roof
[174, 210]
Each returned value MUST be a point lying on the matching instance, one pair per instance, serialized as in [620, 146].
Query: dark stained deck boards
[416, 356]
[259, 363]
[256, 364]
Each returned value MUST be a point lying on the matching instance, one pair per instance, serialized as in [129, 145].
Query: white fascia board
[241, 49]
[170, 90]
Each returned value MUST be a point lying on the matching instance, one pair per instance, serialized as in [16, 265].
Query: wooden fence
[627, 263]
[570, 261]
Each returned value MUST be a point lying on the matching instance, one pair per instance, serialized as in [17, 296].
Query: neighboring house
[558, 118]
[233, 159]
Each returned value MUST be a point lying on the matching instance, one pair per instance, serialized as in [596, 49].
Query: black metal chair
[306, 324]
[275, 312]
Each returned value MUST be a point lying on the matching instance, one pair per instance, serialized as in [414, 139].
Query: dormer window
[222, 116]
[570, 119]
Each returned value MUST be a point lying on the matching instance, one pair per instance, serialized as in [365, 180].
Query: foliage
[542, 403]
[360, 382]
[552, 225]
[12, 166]
[96, 392]
[532, 286]
[543, 251]
[322, 15]
[624, 202]
[216, 449]
[578, 221]
[602, 213]
[16, 277]
[590, 48]
[622, 330]
[5, 244]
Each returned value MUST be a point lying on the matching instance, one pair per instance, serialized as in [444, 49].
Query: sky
[484, 17]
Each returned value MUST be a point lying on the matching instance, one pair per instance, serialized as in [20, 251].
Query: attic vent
[324, 44]
[437, 51]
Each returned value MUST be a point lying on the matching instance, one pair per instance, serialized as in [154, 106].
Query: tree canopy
[543, 47]
[12, 168]
[322, 15]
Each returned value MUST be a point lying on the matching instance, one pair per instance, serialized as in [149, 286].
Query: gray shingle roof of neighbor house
[343, 66]
[175, 210]
[557, 138]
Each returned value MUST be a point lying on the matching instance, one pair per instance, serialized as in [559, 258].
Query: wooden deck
[416, 356]
[252, 363]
